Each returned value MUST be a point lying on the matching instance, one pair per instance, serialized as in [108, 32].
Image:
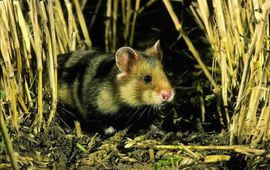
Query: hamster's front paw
[109, 130]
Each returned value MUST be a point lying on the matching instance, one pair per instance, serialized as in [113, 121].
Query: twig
[243, 149]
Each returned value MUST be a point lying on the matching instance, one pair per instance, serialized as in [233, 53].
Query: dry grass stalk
[108, 32]
[93, 19]
[37, 33]
[114, 33]
[137, 8]
[126, 9]
[6, 137]
[178, 27]
[52, 61]
[26, 41]
[240, 46]
[82, 23]
[129, 18]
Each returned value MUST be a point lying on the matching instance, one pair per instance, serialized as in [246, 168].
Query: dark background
[155, 23]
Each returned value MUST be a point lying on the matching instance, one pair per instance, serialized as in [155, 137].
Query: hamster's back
[78, 70]
[107, 88]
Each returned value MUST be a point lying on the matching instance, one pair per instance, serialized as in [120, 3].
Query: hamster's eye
[147, 79]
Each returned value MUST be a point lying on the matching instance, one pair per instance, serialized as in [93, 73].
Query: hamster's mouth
[157, 99]
[160, 105]
[158, 102]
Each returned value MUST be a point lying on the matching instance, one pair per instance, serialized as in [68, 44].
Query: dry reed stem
[243, 149]
[61, 29]
[195, 53]
[261, 132]
[216, 158]
[259, 32]
[148, 3]
[126, 22]
[82, 23]
[255, 73]
[78, 128]
[93, 19]
[111, 25]
[114, 32]
[137, 7]
[43, 34]
[52, 61]
[6, 54]
[231, 48]
[202, 105]
[108, 26]
[34, 8]
[72, 26]
[6, 138]
[222, 55]
[123, 10]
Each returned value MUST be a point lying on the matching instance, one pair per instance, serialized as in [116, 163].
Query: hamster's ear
[155, 51]
[125, 58]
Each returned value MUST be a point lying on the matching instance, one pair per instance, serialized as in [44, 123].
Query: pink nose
[166, 94]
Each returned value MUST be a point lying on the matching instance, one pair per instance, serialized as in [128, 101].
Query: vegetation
[238, 32]
[34, 32]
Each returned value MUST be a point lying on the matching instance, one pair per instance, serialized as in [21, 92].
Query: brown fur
[93, 80]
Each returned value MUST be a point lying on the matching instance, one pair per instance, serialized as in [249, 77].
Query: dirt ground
[59, 147]
[174, 143]
[179, 126]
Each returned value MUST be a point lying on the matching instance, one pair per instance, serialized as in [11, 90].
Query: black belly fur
[135, 119]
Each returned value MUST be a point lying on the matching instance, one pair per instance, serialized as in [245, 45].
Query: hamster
[114, 91]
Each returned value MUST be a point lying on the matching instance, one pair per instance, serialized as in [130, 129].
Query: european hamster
[113, 91]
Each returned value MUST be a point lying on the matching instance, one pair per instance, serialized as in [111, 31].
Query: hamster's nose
[167, 95]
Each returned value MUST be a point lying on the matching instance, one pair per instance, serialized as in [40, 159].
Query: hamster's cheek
[129, 94]
[151, 97]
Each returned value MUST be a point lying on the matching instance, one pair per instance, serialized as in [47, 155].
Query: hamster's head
[141, 79]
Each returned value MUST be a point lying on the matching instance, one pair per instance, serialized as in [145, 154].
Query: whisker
[66, 124]
[150, 110]
[124, 113]
[181, 76]
[66, 111]
[133, 115]
[142, 113]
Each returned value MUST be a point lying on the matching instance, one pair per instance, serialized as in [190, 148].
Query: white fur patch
[119, 76]
[109, 130]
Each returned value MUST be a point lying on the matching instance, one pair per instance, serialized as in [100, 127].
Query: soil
[58, 145]
[180, 123]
